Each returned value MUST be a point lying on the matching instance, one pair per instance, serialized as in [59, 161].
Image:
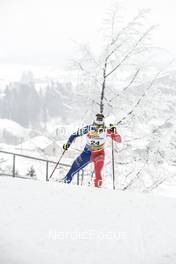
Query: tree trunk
[103, 88]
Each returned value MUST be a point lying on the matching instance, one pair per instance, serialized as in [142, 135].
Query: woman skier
[96, 135]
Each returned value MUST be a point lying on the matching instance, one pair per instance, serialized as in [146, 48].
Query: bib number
[93, 142]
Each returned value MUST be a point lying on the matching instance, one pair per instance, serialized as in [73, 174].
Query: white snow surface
[12, 127]
[39, 141]
[49, 223]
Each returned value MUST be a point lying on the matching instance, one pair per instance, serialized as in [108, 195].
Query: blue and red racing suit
[93, 151]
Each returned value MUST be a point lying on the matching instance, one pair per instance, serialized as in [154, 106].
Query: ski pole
[56, 165]
[113, 169]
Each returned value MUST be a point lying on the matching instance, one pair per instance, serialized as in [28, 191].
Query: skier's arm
[112, 132]
[79, 133]
[73, 136]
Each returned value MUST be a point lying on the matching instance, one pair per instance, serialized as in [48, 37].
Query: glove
[66, 146]
[112, 128]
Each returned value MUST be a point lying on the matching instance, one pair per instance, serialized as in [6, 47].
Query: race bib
[96, 138]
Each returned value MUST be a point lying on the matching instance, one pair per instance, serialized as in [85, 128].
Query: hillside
[50, 223]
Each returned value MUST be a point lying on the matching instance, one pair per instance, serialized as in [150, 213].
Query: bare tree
[125, 47]
[122, 44]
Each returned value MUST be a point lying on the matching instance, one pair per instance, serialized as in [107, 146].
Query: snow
[55, 223]
[41, 142]
[12, 127]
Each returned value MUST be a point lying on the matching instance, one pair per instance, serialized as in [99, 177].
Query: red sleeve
[115, 136]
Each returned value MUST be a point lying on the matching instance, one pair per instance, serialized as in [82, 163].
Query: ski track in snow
[32, 212]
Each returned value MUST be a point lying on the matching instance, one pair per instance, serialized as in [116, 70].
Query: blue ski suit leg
[79, 163]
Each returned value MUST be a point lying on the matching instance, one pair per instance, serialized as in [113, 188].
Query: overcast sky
[42, 31]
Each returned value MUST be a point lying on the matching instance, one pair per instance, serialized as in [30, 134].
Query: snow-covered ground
[12, 127]
[54, 223]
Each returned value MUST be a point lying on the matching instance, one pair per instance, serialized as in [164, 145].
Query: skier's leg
[79, 163]
[98, 160]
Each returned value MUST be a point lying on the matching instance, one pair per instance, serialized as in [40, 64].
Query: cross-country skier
[96, 135]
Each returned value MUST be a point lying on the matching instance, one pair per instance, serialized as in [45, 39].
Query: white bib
[96, 140]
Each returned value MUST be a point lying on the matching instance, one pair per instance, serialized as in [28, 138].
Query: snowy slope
[12, 127]
[54, 223]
